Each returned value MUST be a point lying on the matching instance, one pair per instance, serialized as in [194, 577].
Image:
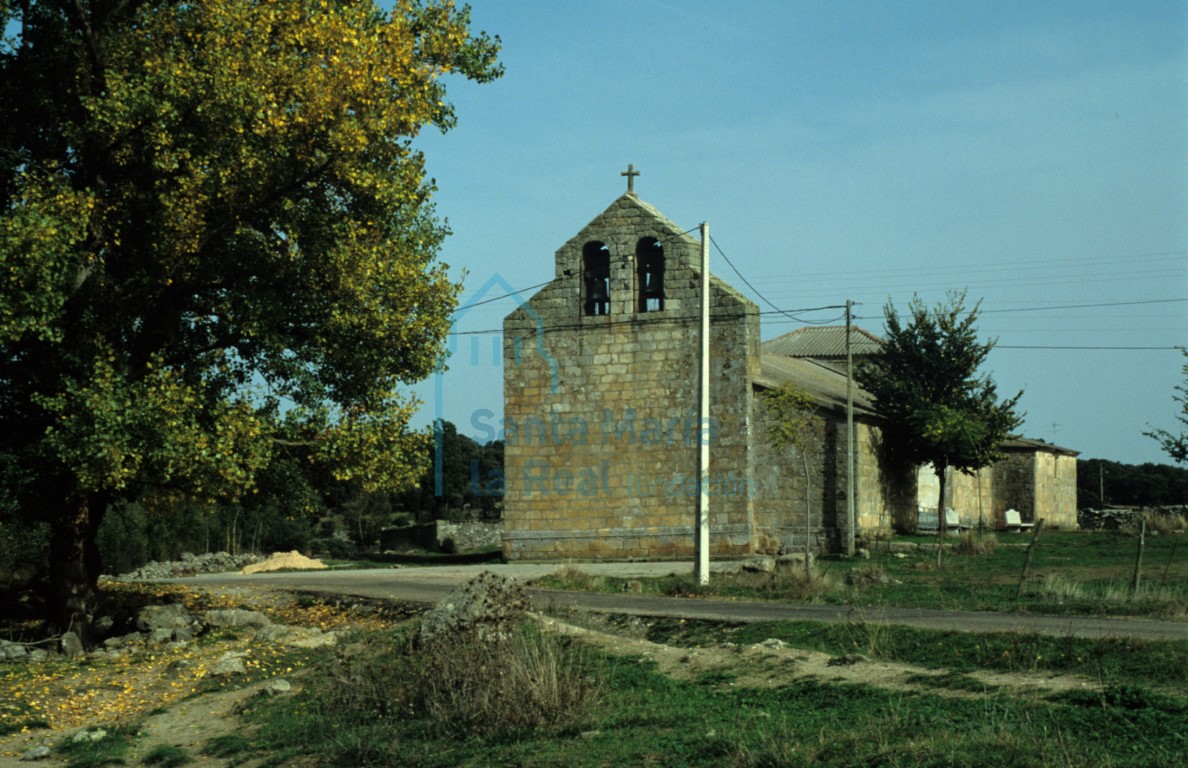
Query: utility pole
[701, 570]
[849, 434]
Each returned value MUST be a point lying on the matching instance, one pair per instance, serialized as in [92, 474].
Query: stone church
[602, 429]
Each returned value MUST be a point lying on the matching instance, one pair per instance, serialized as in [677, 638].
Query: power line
[1085, 347]
[504, 296]
[1082, 306]
[760, 295]
[1066, 306]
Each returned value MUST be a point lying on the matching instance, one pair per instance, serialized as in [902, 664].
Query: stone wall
[467, 537]
[1014, 486]
[886, 495]
[1056, 489]
[600, 410]
[1038, 483]
[780, 502]
[784, 514]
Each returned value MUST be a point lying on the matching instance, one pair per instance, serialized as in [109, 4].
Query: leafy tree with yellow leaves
[216, 243]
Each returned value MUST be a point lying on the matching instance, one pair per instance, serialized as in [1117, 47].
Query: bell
[596, 289]
[653, 284]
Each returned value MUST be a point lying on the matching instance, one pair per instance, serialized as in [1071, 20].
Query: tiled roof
[824, 342]
[824, 384]
[1016, 443]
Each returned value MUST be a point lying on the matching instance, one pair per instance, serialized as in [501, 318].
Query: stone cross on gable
[630, 173]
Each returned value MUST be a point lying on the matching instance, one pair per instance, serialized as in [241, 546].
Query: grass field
[588, 690]
[641, 715]
[1071, 572]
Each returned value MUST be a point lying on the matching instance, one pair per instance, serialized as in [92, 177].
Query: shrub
[337, 549]
[459, 686]
[524, 682]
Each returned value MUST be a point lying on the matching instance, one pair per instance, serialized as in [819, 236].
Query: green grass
[644, 718]
[227, 745]
[1085, 573]
[110, 750]
[1152, 663]
[167, 756]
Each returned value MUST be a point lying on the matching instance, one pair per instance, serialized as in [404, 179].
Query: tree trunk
[74, 566]
[808, 518]
[941, 526]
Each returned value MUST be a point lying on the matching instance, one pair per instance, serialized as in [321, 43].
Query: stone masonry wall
[779, 503]
[885, 495]
[600, 412]
[780, 506]
[1014, 485]
[1056, 489]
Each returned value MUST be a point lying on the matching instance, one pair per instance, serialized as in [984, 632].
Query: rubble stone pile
[1119, 518]
[190, 565]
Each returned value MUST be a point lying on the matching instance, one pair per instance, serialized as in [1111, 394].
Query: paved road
[431, 584]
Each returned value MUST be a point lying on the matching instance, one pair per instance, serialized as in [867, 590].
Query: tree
[216, 241]
[1176, 446]
[793, 416]
[934, 406]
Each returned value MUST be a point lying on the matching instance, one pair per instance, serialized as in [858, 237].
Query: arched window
[596, 277]
[649, 261]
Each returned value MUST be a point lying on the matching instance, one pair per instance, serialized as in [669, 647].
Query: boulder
[166, 617]
[487, 606]
[230, 663]
[72, 647]
[235, 617]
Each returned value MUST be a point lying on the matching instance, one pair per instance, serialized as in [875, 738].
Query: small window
[649, 259]
[596, 276]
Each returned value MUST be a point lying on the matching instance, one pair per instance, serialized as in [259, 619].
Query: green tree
[935, 407]
[792, 425]
[211, 214]
[1176, 446]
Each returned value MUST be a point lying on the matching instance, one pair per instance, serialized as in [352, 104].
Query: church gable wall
[601, 420]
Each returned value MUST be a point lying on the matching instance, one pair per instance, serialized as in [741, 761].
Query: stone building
[601, 421]
[1036, 478]
[600, 398]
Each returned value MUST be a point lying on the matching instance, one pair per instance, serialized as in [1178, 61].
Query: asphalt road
[428, 585]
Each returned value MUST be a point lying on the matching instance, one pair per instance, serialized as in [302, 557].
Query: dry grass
[529, 681]
[790, 582]
[1164, 522]
[575, 578]
[462, 686]
[1061, 589]
[976, 543]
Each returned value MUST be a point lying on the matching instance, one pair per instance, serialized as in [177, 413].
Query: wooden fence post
[1138, 559]
[1030, 551]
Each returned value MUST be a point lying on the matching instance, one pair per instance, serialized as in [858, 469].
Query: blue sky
[1033, 154]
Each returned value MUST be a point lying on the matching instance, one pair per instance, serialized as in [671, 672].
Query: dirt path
[431, 584]
[773, 663]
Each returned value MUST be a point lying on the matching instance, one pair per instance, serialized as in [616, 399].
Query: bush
[24, 552]
[457, 683]
[336, 549]
[524, 682]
